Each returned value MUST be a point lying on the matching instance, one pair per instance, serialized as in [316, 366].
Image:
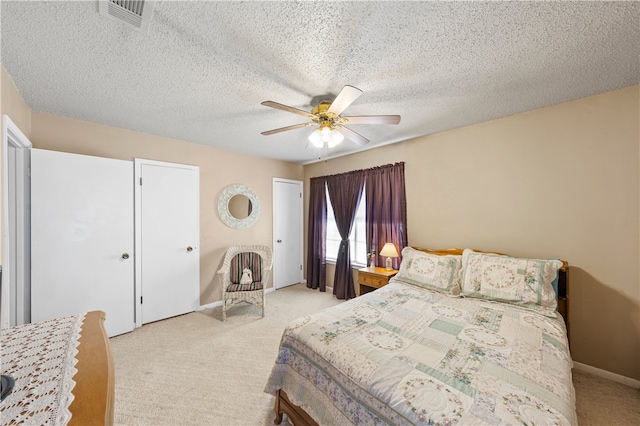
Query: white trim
[11, 135]
[138, 163]
[300, 183]
[287, 180]
[210, 305]
[628, 381]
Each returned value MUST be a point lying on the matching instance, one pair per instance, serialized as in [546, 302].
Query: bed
[63, 372]
[457, 337]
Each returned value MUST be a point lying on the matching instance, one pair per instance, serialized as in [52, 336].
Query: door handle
[189, 249]
[278, 241]
[125, 256]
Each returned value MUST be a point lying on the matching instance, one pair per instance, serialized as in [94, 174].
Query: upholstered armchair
[250, 286]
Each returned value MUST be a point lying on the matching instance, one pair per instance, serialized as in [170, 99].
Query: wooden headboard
[563, 279]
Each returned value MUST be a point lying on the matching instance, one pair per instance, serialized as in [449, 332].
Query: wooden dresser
[370, 279]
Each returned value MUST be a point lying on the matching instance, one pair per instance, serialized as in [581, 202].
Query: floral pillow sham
[519, 281]
[438, 273]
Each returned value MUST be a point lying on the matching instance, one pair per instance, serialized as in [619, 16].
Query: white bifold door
[167, 239]
[82, 238]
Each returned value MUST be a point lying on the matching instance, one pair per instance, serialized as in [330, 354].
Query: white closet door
[82, 238]
[168, 216]
[287, 231]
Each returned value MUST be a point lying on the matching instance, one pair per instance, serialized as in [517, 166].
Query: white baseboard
[607, 375]
[210, 305]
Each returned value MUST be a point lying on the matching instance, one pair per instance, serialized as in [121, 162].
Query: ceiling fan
[331, 125]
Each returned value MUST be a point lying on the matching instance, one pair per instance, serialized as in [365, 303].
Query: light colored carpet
[601, 402]
[195, 369]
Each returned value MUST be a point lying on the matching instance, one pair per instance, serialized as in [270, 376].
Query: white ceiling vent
[135, 14]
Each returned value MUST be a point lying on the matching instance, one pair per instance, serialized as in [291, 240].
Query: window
[357, 238]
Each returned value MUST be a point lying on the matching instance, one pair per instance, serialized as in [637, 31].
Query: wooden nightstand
[371, 278]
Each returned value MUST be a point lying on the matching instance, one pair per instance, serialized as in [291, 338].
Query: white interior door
[287, 232]
[82, 238]
[15, 286]
[168, 239]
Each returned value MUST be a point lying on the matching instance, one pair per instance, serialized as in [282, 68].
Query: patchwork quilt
[408, 355]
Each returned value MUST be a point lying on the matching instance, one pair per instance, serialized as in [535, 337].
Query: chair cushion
[244, 287]
[243, 260]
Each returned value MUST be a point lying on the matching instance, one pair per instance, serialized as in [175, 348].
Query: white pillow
[519, 281]
[439, 273]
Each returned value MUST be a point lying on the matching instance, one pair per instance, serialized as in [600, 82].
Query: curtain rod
[371, 169]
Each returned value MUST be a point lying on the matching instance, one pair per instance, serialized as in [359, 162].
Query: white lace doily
[41, 359]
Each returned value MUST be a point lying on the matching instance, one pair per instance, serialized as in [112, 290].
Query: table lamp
[389, 250]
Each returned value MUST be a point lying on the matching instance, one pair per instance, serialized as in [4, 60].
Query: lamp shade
[389, 250]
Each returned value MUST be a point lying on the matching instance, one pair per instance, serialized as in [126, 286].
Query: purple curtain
[386, 210]
[317, 235]
[344, 191]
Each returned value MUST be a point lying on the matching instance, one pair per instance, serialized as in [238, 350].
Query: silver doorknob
[278, 241]
[189, 248]
[125, 255]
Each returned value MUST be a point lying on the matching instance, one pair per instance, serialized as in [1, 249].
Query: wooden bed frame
[94, 391]
[298, 417]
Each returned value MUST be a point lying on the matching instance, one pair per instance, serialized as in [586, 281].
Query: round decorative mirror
[238, 206]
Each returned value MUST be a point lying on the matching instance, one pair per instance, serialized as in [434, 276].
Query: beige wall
[561, 181]
[12, 104]
[218, 168]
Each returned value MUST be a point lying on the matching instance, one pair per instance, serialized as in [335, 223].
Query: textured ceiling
[204, 67]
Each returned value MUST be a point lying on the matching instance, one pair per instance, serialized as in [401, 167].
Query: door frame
[273, 191]
[137, 208]
[15, 283]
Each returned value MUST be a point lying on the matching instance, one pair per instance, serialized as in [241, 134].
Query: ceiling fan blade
[353, 136]
[347, 95]
[284, 129]
[282, 107]
[372, 119]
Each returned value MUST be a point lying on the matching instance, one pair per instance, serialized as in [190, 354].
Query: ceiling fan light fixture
[336, 138]
[325, 135]
[331, 124]
[315, 139]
